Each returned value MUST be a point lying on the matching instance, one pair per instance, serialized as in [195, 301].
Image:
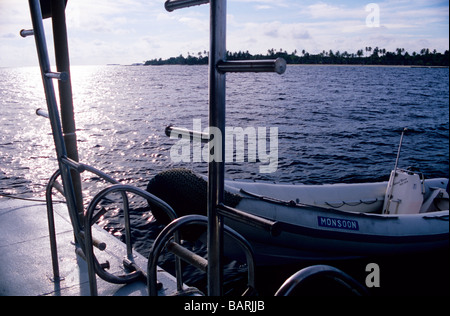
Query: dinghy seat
[438, 200]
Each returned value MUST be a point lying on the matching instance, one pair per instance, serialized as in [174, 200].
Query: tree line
[366, 56]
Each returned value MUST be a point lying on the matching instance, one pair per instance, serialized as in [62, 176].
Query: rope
[9, 196]
[352, 203]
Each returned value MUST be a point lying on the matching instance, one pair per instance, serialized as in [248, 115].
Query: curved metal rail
[301, 276]
[83, 231]
[163, 241]
[75, 220]
[92, 262]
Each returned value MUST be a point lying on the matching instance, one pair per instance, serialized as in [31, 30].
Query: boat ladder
[63, 131]
[218, 68]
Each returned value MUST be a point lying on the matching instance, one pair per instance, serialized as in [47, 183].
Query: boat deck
[25, 257]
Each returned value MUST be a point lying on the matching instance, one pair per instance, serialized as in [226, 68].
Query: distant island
[368, 56]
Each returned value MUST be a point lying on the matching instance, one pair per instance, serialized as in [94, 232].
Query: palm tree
[359, 53]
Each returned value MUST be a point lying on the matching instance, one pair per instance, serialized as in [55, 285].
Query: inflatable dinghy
[316, 222]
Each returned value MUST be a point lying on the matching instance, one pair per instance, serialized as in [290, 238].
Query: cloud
[333, 12]
[195, 23]
[8, 35]
[301, 34]
[263, 7]
[264, 3]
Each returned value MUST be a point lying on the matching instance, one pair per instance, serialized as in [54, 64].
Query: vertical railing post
[217, 53]
[58, 9]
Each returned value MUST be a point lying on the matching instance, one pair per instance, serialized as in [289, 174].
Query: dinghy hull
[321, 234]
[338, 226]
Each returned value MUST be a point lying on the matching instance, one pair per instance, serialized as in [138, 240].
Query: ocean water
[335, 124]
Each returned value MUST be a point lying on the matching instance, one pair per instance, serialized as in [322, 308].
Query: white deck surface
[25, 258]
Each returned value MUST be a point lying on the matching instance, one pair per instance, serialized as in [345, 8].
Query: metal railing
[164, 241]
[297, 280]
[172, 5]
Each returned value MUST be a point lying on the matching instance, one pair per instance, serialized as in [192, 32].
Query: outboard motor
[404, 193]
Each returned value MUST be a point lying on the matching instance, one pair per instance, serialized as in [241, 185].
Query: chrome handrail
[163, 241]
[297, 279]
[84, 232]
[90, 257]
[172, 5]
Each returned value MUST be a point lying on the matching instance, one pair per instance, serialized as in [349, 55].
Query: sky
[132, 31]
